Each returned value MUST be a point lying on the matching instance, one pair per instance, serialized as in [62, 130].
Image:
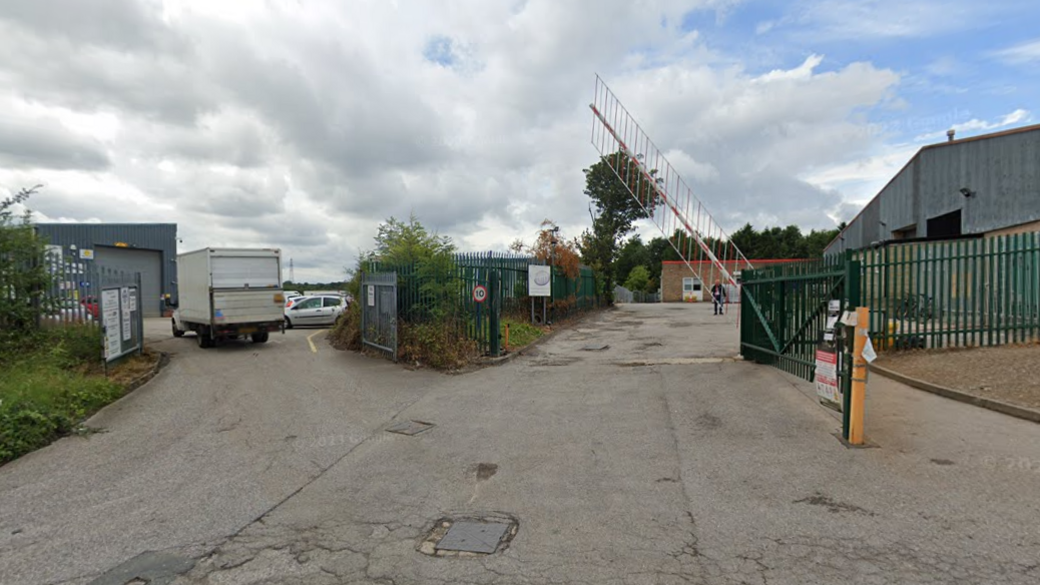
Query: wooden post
[859, 377]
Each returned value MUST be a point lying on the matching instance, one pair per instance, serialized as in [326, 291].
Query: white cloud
[304, 125]
[842, 20]
[1016, 117]
[1021, 54]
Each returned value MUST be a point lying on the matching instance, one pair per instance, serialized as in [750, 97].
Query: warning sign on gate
[827, 379]
[480, 293]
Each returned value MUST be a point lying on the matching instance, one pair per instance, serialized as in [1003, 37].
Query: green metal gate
[783, 312]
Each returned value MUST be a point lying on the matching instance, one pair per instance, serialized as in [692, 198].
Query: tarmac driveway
[217, 439]
[632, 448]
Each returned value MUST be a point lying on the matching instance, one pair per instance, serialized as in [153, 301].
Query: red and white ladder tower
[661, 192]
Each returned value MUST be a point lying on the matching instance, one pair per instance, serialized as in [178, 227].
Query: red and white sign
[827, 378]
[480, 293]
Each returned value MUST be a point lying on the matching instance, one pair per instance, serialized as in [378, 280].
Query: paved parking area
[632, 448]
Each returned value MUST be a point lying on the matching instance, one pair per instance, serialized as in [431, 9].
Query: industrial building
[146, 248]
[979, 186]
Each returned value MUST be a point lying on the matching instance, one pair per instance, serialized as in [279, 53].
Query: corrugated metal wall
[1002, 170]
[159, 237]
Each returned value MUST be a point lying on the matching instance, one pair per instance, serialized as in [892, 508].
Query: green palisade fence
[956, 293]
[432, 291]
[784, 310]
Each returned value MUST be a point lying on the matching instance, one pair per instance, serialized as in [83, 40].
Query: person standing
[718, 297]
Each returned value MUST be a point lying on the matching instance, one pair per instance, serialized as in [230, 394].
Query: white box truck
[226, 293]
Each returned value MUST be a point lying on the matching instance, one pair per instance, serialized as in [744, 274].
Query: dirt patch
[133, 368]
[1007, 373]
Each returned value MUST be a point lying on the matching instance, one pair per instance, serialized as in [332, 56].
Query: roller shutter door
[147, 262]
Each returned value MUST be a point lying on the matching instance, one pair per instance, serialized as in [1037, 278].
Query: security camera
[967, 192]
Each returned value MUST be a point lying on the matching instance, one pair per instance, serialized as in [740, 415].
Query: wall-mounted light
[967, 192]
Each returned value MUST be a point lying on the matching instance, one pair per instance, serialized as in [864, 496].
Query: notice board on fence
[827, 388]
[120, 321]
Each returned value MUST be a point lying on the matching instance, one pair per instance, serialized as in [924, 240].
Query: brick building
[679, 284]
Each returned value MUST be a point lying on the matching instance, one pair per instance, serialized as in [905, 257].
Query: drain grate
[409, 427]
[474, 537]
[595, 347]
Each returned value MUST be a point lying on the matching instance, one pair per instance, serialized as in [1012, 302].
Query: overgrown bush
[347, 332]
[23, 274]
[439, 344]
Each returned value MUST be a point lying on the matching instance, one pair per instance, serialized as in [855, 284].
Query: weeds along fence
[442, 289]
[956, 293]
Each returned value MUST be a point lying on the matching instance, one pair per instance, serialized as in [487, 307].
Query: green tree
[622, 194]
[638, 278]
[425, 263]
[399, 242]
[633, 253]
[23, 273]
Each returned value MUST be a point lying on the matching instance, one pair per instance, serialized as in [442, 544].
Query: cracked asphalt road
[657, 460]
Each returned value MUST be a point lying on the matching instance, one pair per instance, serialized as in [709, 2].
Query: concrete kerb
[995, 405]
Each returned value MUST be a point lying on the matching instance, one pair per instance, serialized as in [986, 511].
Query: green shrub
[439, 344]
[45, 392]
[347, 332]
[76, 345]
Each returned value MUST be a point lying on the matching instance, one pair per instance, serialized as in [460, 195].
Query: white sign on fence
[371, 295]
[111, 322]
[827, 379]
[124, 303]
[539, 281]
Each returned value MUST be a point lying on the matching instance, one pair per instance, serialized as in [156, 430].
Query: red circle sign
[480, 293]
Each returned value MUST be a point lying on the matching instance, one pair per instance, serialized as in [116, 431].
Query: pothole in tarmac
[470, 536]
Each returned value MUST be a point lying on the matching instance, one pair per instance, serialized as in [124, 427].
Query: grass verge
[521, 333]
[51, 383]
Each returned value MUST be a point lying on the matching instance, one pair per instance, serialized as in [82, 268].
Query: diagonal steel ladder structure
[669, 202]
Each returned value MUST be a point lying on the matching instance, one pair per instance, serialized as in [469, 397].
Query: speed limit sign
[480, 293]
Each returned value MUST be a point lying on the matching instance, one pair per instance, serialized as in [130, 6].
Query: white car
[314, 310]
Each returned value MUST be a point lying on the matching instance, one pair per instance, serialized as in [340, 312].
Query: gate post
[494, 297]
[852, 301]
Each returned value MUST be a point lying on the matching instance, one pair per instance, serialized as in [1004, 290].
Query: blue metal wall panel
[161, 237]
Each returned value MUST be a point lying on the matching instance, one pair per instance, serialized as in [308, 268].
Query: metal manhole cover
[409, 427]
[475, 537]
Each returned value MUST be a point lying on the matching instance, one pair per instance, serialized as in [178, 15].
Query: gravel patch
[1007, 373]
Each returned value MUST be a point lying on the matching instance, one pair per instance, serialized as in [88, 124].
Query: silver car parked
[314, 310]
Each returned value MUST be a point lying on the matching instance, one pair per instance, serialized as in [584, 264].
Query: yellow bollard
[857, 404]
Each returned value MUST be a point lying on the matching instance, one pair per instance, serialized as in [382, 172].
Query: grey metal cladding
[1002, 171]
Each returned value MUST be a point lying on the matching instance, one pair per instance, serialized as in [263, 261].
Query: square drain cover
[409, 427]
[477, 537]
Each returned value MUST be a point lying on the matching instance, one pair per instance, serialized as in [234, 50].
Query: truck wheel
[176, 332]
[288, 323]
[260, 337]
[203, 338]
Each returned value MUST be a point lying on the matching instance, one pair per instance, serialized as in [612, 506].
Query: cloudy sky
[304, 123]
